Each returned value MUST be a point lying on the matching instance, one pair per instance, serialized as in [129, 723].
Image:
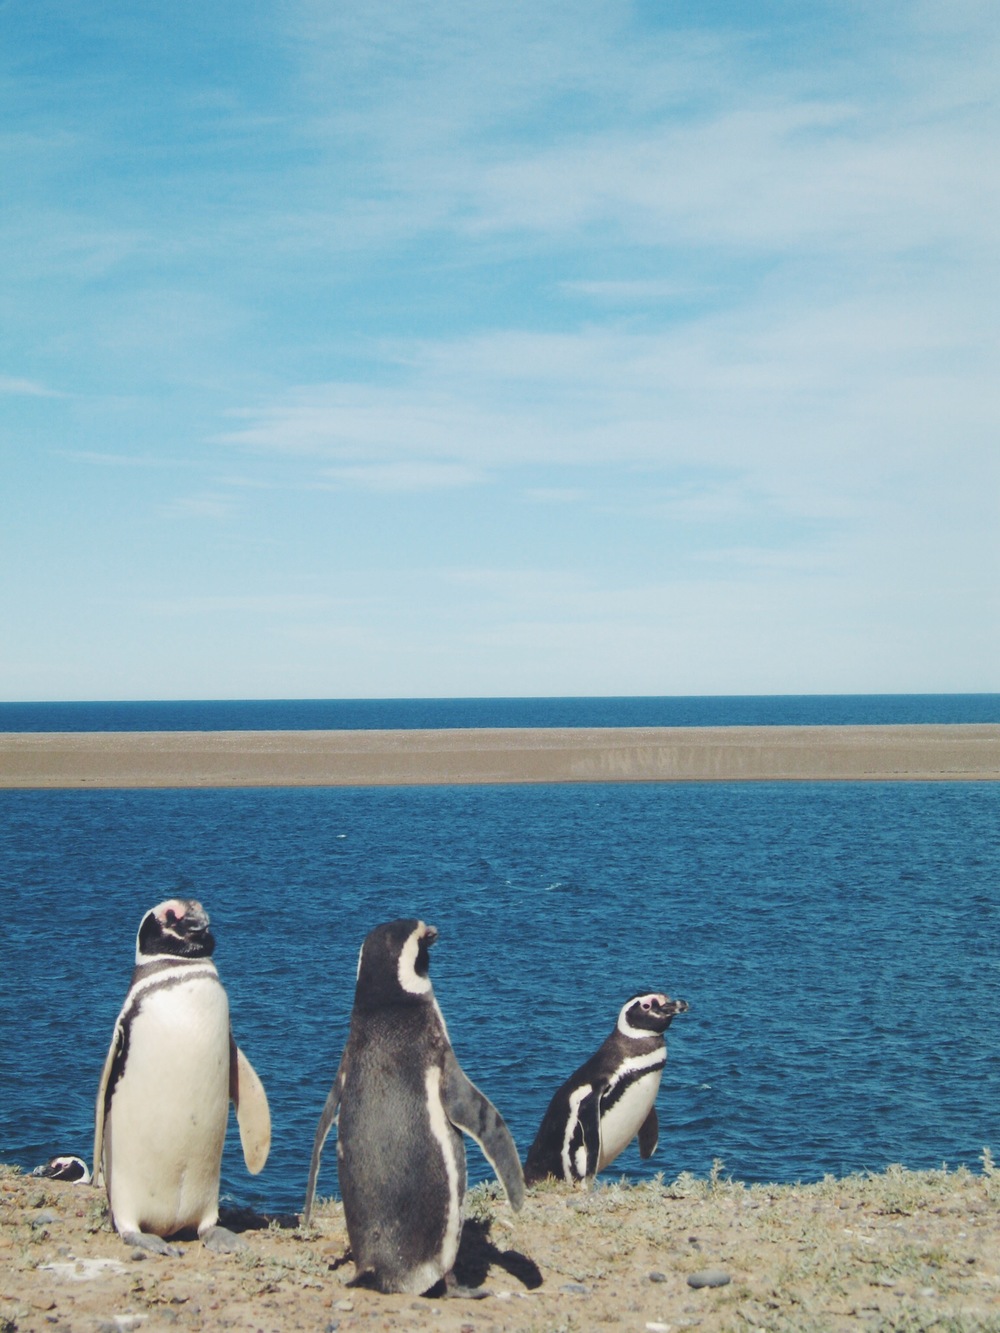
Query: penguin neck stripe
[147, 964]
[625, 1078]
[409, 978]
[165, 978]
[639, 1064]
[636, 1034]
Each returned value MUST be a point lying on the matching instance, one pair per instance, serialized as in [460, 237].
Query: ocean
[839, 944]
[407, 714]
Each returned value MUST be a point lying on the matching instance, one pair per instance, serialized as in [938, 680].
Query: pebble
[709, 1277]
[575, 1289]
[657, 1328]
[44, 1219]
[344, 1305]
[657, 1277]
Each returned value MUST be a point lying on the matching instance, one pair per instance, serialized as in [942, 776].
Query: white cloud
[404, 476]
[697, 324]
[273, 605]
[25, 388]
[214, 508]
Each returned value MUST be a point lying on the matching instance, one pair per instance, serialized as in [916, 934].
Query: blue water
[361, 714]
[839, 945]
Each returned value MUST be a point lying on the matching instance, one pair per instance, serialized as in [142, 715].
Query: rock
[709, 1277]
[44, 1219]
[657, 1277]
[575, 1289]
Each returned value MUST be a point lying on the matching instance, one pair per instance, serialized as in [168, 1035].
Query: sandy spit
[968, 752]
[901, 1251]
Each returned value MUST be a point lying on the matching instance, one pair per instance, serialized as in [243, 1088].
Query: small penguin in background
[402, 1103]
[610, 1099]
[65, 1167]
[163, 1102]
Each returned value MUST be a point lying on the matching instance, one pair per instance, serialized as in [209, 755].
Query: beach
[899, 1250]
[930, 752]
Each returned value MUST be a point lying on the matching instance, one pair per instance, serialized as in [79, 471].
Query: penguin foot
[220, 1240]
[454, 1288]
[145, 1240]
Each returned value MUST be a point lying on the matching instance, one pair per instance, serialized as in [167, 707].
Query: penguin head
[65, 1167]
[647, 1015]
[178, 927]
[394, 964]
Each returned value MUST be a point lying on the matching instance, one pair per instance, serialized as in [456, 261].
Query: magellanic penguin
[401, 1103]
[163, 1102]
[67, 1166]
[599, 1110]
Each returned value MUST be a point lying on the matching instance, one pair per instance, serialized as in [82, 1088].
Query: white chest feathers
[627, 1101]
[166, 1122]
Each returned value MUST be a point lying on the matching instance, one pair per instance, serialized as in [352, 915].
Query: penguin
[163, 1101]
[65, 1167]
[599, 1110]
[402, 1103]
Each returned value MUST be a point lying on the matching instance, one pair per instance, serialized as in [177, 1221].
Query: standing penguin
[599, 1110]
[401, 1103]
[170, 1073]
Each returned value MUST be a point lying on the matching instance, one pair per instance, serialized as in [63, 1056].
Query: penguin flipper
[649, 1134]
[103, 1093]
[474, 1114]
[252, 1112]
[328, 1116]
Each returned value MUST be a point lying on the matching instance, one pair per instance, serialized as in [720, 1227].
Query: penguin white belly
[623, 1113]
[167, 1121]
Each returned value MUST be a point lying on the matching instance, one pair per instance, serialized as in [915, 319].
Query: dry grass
[900, 1250]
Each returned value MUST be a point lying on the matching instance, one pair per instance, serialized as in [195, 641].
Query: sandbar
[931, 752]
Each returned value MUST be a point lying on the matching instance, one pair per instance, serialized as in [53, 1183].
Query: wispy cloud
[403, 476]
[275, 605]
[25, 388]
[95, 458]
[577, 332]
[214, 508]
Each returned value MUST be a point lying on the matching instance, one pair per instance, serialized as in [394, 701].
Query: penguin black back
[401, 1103]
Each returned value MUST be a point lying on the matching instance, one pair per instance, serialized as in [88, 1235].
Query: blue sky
[498, 349]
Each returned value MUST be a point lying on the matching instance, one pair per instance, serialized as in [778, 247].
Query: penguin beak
[196, 919]
[430, 935]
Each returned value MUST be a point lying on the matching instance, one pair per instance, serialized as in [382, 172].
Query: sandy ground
[500, 755]
[902, 1251]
